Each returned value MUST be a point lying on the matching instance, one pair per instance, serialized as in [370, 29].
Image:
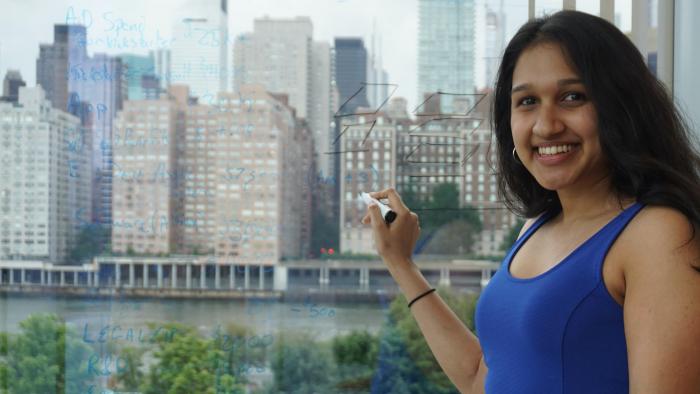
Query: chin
[552, 185]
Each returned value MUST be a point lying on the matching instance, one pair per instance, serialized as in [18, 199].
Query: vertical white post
[607, 10]
[160, 275]
[261, 285]
[640, 27]
[188, 276]
[145, 275]
[12, 276]
[569, 5]
[664, 55]
[22, 276]
[232, 277]
[202, 276]
[217, 275]
[246, 277]
[63, 278]
[530, 9]
[132, 275]
[173, 276]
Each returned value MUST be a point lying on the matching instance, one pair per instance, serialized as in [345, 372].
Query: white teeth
[553, 150]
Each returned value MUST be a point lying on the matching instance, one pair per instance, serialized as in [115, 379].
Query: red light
[331, 251]
[323, 250]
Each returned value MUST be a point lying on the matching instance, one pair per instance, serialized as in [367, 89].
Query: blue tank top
[558, 332]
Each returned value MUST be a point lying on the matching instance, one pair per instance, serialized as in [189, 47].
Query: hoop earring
[515, 157]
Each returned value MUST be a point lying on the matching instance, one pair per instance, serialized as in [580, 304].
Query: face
[554, 124]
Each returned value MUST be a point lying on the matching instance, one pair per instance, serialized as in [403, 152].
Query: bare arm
[456, 349]
[662, 304]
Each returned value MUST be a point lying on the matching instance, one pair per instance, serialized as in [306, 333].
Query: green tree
[131, 376]
[324, 232]
[187, 363]
[243, 351]
[90, 243]
[302, 366]
[44, 357]
[446, 226]
[404, 356]
[355, 355]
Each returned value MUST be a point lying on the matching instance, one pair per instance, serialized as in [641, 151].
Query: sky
[25, 24]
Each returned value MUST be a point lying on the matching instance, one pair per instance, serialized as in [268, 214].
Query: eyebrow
[560, 83]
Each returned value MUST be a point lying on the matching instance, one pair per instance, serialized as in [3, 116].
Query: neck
[596, 200]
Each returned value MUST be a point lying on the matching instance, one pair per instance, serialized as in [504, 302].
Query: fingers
[376, 218]
[394, 200]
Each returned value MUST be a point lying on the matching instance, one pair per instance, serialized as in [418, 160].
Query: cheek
[519, 128]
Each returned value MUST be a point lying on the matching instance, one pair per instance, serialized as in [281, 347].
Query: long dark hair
[649, 147]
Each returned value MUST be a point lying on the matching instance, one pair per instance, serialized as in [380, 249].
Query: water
[323, 320]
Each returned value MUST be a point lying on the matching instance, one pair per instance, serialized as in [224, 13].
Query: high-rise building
[243, 164]
[60, 64]
[367, 162]
[44, 179]
[92, 88]
[278, 55]
[281, 55]
[11, 84]
[141, 80]
[225, 180]
[161, 65]
[199, 56]
[144, 179]
[446, 49]
[96, 101]
[494, 42]
[321, 110]
[351, 74]
[377, 77]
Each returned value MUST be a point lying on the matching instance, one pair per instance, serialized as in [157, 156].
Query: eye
[527, 100]
[574, 96]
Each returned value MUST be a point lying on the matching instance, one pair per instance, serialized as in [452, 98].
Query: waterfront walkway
[202, 276]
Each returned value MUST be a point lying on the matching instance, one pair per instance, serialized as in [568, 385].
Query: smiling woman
[600, 292]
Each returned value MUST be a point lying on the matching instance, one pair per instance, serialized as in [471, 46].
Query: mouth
[554, 150]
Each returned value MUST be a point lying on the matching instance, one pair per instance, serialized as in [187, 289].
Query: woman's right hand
[395, 242]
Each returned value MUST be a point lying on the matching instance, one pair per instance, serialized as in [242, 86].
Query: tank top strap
[516, 245]
[612, 230]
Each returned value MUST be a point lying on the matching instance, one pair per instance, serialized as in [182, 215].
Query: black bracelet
[421, 296]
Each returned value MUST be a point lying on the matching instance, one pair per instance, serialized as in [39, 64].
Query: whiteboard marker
[387, 213]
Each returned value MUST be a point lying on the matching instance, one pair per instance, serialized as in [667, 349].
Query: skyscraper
[53, 66]
[161, 63]
[495, 42]
[44, 179]
[351, 74]
[199, 56]
[92, 88]
[142, 82]
[281, 55]
[11, 84]
[277, 54]
[445, 49]
[377, 77]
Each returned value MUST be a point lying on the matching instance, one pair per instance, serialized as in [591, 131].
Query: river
[323, 320]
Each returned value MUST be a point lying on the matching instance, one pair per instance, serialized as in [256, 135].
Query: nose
[547, 122]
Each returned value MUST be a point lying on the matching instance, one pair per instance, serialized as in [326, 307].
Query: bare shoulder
[662, 301]
[658, 231]
[528, 223]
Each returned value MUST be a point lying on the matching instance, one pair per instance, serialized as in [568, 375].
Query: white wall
[687, 59]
